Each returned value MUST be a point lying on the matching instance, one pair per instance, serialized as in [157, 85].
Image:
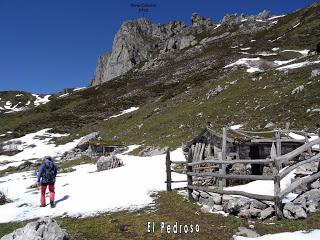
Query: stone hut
[237, 147]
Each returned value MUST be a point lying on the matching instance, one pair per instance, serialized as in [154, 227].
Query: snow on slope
[249, 63]
[299, 235]
[129, 110]
[298, 65]
[18, 104]
[39, 100]
[86, 192]
[33, 146]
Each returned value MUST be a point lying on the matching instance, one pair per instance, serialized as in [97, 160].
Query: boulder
[315, 72]
[108, 162]
[218, 207]
[246, 232]
[206, 209]
[294, 211]
[266, 213]
[257, 204]
[104, 163]
[204, 195]
[249, 213]
[214, 92]
[195, 195]
[43, 229]
[310, 201]
[315, 185]
[234, 205]
[216, 198]
[84, 142]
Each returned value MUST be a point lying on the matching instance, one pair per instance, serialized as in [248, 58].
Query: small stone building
[238, 147]
[98, 147]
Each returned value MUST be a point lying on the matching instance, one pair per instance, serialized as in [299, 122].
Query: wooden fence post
[189, 178]
[222, 168]
[168, 167]
[278, 142]
[307, 142]
[276, 182]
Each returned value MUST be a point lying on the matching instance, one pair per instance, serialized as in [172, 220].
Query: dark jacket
[42, 171]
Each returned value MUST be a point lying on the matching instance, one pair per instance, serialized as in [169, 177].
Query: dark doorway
[256, 169]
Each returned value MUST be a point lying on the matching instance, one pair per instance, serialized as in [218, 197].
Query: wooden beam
[189, 178]
[244, 161]
[298, 151]
[231, 192]
[278, 142]
[178, 181]
[168, 168]
[298, 183]
[226, 176]
[195, 154]
[179, 162]
[222, 169]
[307, 141]
[201, 152]
[289, 169]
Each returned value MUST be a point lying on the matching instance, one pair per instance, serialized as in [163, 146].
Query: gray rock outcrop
[141, 41]
[246, 232]
[108, 162]
[293, 211]
[137, 41]
[267, 213]
[200, 21]
[104, 163]
[43, 229]
[84, 142]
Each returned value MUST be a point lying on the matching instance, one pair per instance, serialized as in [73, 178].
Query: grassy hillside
[173, 96]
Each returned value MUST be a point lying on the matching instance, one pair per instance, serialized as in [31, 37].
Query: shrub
[3, 198]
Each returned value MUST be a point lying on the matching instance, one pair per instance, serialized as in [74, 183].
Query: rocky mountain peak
[200, 21]
[141, 40]
[137, 41]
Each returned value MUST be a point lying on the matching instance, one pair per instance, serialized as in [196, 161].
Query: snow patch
[78, 89]
[235, 127]
[249, 63]
[265, 187]
[77, 193]
[129, 110]
[299, 235]
[298, 65]
[302, 52]
[276, 17]
[34, 146]
[297, 90]
[41, 100]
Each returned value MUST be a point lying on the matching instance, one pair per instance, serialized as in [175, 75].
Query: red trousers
[43, 194]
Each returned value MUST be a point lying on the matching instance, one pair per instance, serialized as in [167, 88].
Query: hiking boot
[42, 205]
[52, 204]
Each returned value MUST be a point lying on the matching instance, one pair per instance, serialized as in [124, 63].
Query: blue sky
[48, 45]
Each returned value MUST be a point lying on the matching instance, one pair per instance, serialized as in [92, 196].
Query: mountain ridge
[232, 75]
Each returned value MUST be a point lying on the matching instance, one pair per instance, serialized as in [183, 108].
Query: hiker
[47, 177]
[318, 130]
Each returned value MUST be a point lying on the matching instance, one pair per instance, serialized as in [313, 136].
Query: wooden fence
[191, 169]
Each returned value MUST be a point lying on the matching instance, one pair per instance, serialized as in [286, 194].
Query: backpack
[49, 175]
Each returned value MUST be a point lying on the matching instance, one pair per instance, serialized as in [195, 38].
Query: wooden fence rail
[193, 165]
